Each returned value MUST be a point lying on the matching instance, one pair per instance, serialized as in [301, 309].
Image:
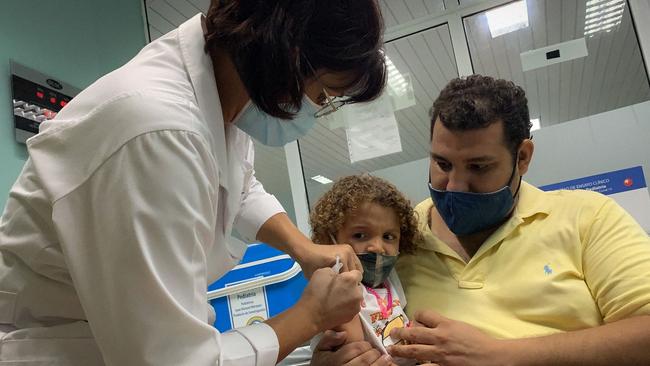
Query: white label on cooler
[248, 307]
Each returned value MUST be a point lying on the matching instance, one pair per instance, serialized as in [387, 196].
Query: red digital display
[53, 100]
[40, 95]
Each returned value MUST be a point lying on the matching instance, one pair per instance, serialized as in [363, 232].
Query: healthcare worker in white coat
[123, 212]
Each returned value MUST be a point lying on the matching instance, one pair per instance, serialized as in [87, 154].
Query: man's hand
[351, 354]
[446, 342]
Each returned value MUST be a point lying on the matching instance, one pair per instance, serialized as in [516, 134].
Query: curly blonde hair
[348, 194]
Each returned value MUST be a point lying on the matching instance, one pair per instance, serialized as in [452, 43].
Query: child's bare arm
[353, 330]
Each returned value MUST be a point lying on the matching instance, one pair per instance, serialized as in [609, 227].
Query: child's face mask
[376, 268]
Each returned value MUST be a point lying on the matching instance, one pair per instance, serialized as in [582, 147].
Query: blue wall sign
[607, 183]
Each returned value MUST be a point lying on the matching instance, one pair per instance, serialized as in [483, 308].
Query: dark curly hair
[272, 44]
[477, 101]
[348, 194]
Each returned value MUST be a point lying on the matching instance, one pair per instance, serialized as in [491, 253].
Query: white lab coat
[121, 217]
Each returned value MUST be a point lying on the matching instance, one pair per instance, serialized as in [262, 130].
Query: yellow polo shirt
[565, 260]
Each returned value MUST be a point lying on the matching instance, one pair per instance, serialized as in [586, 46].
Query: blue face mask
[468, 213]
[273, 131]
[376, 268]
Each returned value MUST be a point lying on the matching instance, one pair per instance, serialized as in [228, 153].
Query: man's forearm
[621, 343]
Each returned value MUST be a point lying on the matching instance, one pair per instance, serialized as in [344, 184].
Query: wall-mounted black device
[553, 54]
[36, 98]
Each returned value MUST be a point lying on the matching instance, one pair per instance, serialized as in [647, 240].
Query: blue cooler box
[265, 283]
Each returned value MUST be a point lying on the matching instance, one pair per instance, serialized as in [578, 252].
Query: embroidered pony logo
[548, 270]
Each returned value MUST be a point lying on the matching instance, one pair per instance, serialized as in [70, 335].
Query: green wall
[75, 41]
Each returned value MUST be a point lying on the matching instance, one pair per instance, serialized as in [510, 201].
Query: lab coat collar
[201, 72]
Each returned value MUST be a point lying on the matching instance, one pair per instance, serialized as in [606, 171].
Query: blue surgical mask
[274, 131]
[376, 268]
[468, 213]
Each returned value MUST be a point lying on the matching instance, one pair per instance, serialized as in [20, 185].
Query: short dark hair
[272, 43]
[348, 194]
[477, 101]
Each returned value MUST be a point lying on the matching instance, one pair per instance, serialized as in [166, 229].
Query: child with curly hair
[371, 215]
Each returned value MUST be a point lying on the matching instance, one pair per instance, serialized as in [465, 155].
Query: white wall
[600, 143]
[411, 178]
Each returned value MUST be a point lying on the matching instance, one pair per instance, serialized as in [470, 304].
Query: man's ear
[525, 155]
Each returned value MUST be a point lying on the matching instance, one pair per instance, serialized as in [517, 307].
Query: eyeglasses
[332, 104]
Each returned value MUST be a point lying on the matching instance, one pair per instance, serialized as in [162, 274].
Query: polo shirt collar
[531, 202]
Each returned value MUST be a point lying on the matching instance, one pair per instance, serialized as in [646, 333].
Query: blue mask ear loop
[514, 167]
[511, 175]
